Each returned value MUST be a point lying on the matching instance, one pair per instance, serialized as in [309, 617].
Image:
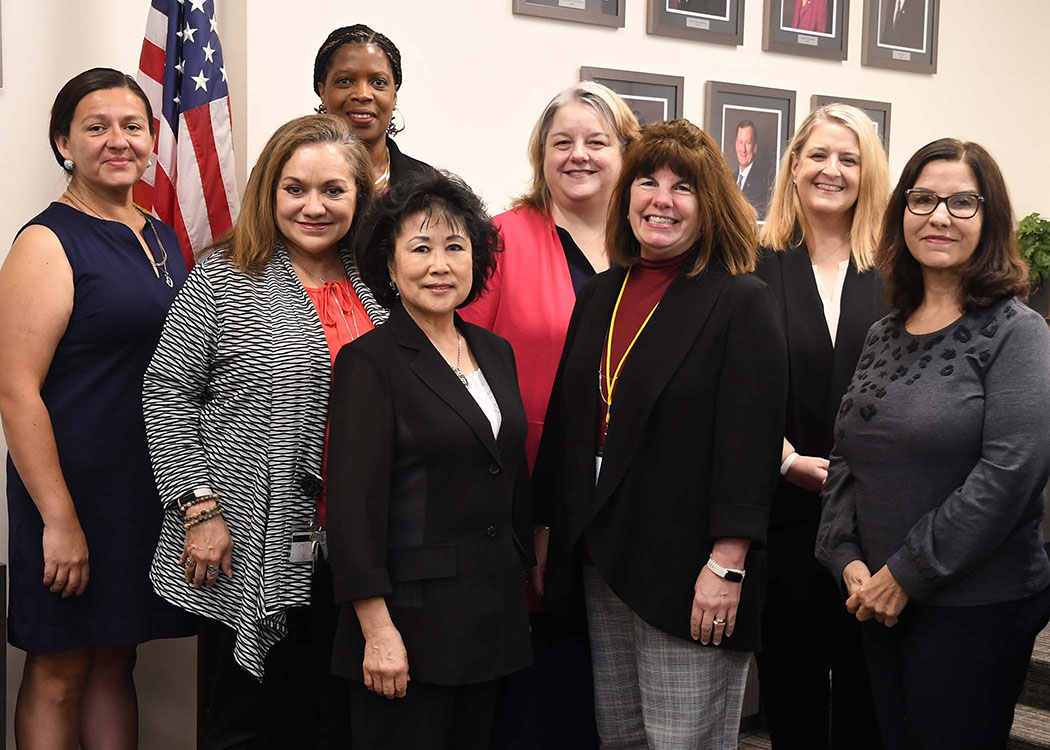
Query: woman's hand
[385, 667]
[714, 608]
[880, 597]
[207, 550]
[808, 472]
[855, 575]
[541, 536]
[66, 569]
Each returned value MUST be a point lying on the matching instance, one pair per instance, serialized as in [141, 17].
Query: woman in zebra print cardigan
[236, 402]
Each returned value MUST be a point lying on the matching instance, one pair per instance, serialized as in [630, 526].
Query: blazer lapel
[657, 355]
[431, 368]
[804, 308]
[502, 385]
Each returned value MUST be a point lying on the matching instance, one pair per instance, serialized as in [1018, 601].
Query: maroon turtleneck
[646, 285]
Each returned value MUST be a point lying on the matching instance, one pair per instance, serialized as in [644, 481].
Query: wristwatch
[730, 574]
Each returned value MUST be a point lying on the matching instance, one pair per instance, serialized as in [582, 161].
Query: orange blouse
[343, 318]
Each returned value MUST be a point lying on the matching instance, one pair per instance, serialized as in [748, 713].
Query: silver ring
[213, 571]
[718, 621]
[191, 564]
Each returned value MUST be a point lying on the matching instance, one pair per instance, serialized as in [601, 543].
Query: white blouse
[832, 298]
[478, 387]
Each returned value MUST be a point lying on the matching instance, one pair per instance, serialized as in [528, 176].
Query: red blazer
[528, 302]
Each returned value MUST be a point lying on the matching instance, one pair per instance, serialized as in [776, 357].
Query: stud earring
[68, 165]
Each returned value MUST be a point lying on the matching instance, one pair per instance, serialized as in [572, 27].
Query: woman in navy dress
[83, 294]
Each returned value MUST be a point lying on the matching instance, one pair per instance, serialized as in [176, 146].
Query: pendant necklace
[160, 266]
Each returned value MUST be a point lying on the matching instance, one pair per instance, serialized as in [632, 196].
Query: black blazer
[426, 508]
[402, 166]
[818, 372]
[691, 454]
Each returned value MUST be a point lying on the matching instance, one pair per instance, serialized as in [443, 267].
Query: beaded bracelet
[199, 518]
[188, 500]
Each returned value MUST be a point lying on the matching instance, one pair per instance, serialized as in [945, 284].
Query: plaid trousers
[655, 691]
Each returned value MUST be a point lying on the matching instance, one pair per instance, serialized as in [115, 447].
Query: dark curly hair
[430, 192]
[994, 271]
[356, 34]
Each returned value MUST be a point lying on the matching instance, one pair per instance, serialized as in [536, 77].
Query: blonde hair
[250, 243]
[785, 223]
[611, 109]
[727, 220]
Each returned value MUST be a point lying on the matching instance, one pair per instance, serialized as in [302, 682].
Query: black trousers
[550, 705]
[814, 682]
[429, 717]
[947, 678]
[299, 703]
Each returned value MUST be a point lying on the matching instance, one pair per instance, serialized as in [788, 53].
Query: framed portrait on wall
[650, 96]
[879, 112]
[720, 21]
[601, 12]
[753, 126]
[813, 28]
[901, 35]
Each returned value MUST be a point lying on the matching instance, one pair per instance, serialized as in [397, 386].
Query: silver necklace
[459, 359]
[356, 333]
[158, 267]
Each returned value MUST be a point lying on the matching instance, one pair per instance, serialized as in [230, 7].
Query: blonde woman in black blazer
[690, 452]
[817, 256]
[428, 498]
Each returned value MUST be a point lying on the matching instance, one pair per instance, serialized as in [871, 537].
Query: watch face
[733, 576]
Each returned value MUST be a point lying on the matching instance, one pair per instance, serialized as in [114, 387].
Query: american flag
[191, 183]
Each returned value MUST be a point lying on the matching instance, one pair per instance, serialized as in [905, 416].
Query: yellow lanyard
[610, 379]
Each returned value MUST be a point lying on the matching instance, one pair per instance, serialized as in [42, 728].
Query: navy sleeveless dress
[93, 393]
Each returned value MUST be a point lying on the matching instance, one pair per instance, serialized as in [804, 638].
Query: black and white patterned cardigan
[236, 399]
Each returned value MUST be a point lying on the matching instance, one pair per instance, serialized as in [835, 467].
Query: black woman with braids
[357, 74]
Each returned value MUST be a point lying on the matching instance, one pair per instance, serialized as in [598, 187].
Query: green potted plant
[1033, 240]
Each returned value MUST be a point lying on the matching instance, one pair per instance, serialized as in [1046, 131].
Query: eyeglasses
[960, 205]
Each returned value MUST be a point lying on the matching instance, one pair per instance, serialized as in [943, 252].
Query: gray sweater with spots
[942, 453]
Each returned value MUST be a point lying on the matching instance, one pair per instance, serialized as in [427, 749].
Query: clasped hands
[876, 596]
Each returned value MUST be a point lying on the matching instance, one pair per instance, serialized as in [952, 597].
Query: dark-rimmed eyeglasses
[960, 205]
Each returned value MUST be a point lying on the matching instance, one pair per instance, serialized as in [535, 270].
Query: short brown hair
[994, 271]
[610, 108]
[250, 243]
[727, 220]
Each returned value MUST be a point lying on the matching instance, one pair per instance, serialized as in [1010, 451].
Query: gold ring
[718, 621]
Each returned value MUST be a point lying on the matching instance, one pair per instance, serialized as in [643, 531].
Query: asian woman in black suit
[660, 449]
[817, 255]
[428, 495]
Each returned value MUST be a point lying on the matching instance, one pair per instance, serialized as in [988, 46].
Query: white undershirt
[832, 298]
[478, 387]
[742, 179]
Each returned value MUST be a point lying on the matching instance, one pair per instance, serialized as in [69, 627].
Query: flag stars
[223, 71]
[188, 32]
[197, 5]
[180, 65]
[209, 53]
[214, 25]
[201, 80]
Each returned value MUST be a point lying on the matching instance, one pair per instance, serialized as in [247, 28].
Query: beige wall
[475, 78]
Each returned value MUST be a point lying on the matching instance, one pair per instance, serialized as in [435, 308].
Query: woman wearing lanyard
[661, 446]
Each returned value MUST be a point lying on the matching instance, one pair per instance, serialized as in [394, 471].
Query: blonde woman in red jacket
[554, 240]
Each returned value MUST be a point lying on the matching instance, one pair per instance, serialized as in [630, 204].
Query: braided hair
[356, 34]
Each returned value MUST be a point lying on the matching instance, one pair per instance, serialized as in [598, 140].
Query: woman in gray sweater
[934, 495]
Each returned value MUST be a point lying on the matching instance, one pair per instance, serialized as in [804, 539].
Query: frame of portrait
[811, 28]
[650, 96]
[719, 21]
[755, 124]
[879, 112]
[600, 12]
[901, 35]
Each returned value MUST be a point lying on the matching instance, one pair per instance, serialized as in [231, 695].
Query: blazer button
[494, 468]
[490, 532]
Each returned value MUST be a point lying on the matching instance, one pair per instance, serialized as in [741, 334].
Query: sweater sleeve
[749, 416]
[973, 521]
[838, 543]
[175, 388]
